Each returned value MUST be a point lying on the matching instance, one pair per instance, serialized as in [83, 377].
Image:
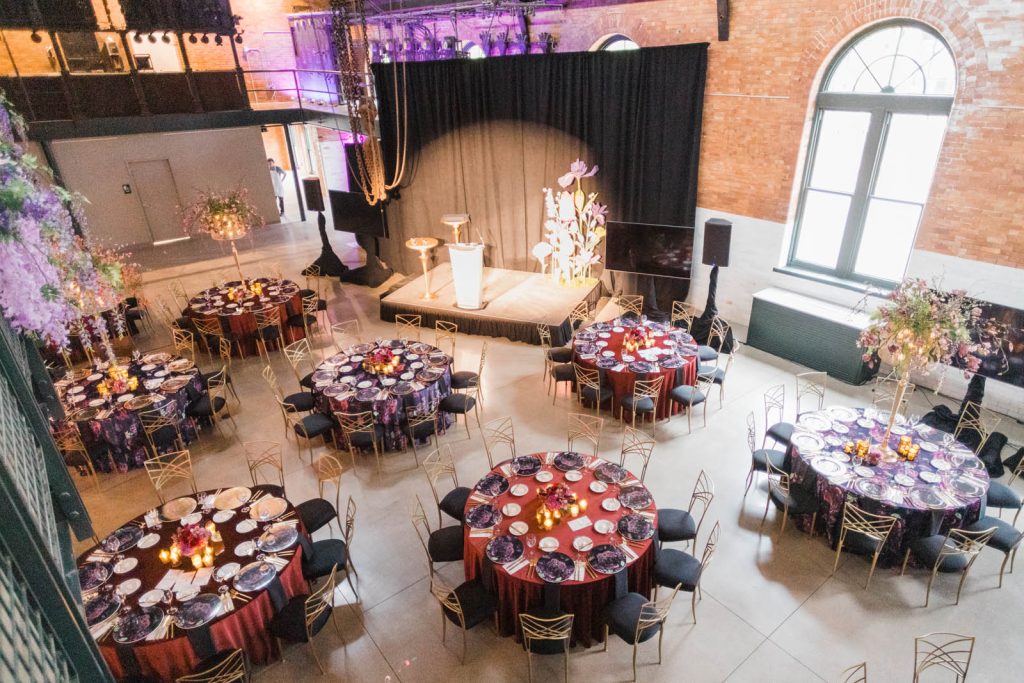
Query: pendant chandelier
[351, 45]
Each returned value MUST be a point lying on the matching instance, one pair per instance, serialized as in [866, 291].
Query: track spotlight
[152, 38]
[137, 38]
[238, 38]
[192, 38]
[36, 38]
[205, 40]
[218, 40]
[166, 37]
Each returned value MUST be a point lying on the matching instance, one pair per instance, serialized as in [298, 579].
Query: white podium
[468, 274]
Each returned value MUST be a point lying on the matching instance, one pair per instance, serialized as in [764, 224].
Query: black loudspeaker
[717, 235]
[314, 197]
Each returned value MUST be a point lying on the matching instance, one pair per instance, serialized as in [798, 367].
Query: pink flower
[577, 171]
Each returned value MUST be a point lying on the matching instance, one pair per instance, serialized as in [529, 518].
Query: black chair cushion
[365, 439]
[302, 401]
[927, 549]
[327, 554]
[301, 320]
[164, 437]
[676, 525]
[563, 373]
[314, 425]
[717, 375]
[562, 354]
[307, 381]
[464, 379]
[477, 604]
[316, 513]
[454, 502]
[706, 353]
[306, 293]
[800, 502]
[290, 623]
[859, 544]
[321, 304]
[686, 394]
[762, 455]
[1006, 538]
[622, 615]
[641, 405]
[424, 429]
[446, 544]
[1002, 496]
[201, 407]
[590, 394]
[675, 568]
[781, 432]
[457, 403]
[270, 333]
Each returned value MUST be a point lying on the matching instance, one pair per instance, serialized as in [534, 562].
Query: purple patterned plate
[504, 549]
[872, 488]
[368, 394]
[254, 576]
[200, 610]
[429, 375]
[635, 497]
[926, 497]
[135, 626]
[402, 389]
[555, 567]
[482, 517]
[607, 362]
[122, 539]
[568, 460]
[642, 367]
[610, 473]
[92, 575]
[636, 527]
[323, 376]
[672, 362]
[607, 559]
[492, 484]
[601, 327]
[526, 465]
[362, 348]
[337, 390]
[102, 607]
[966, 486]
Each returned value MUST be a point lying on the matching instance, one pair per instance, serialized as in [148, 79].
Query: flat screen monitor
[649, 249]
[352, 213]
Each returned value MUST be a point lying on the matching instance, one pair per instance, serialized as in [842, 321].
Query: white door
[158, 193]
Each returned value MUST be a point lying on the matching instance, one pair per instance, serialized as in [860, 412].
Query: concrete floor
[771, 611]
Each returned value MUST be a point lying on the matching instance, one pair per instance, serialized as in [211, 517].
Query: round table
[672, 355]
[232, 304]
[245, 626]
[522, 590]
[942, 488]
[420, 380]
[113, 423]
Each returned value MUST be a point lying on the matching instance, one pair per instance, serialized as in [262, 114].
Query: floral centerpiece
[190, 539]
[223, 216]
[919, 325]
[556, 503]
[574, 228]
[381, 361]
[636, 338]
[117, 382]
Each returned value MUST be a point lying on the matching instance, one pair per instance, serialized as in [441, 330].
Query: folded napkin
[630, 555]
[480, 533]
[594, 462]
[506, 470]
[416, 386]
[579, 523]
[549, 457]
[631, 482]
[99, 556]
[515, 565]
[587, 356]
[648, 515]
[478, 497]
[226, 602]
[101, 629]
[160, 632]
[617, 368]
[278, 562]
[288, 522]
[580, 571]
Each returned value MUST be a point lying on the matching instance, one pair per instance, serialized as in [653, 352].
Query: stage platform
[514, 303]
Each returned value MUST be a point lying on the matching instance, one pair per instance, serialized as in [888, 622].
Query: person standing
[277, 176]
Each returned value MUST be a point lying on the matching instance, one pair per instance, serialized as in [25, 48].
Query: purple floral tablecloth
[942, 488]
[114, 425]
[421, 379]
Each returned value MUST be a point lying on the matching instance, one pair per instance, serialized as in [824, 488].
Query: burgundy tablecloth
[239, 320]
[585, 599]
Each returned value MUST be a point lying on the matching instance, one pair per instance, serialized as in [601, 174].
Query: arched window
[614, 43]
[881, 116]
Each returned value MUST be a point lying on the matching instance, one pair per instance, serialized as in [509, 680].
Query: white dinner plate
[583, 543]
[223, 516]
[246, 526]
[573, 475]
[186, 593]
[95, 377]
[129, 586]
[245, 548]
[518, 528]
[150, 598]
[96, 402]
[929, 477]
[604, 526]
[148, 541]
[598, 486]
[194, 518]
[511, 509]
[126, 565]
[365, 384]
[544, 476]
[548, 544]
[611, 504]
[227, 572]
[76, 390]
[929, 446]
[862, 471]
[519, 490]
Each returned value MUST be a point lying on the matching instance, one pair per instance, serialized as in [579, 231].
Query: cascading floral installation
[574, 228]
[49, 280]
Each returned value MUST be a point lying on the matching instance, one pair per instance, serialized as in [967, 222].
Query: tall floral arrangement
[574, 227]
[222, 215]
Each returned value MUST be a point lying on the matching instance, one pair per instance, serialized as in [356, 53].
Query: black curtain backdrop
[486, 136]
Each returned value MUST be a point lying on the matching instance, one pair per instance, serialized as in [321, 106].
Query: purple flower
[577, 171]
[600, 212]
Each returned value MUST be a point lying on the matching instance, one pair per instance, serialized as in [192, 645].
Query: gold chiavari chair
[308, 427]
[667, 572]
[184, 343]
[328, 470]
[444, 545]
[855, 674]
[181, 298]
[713, 369]
[445, 334]
[70, 444]
[636, 442]
[224, 348]
[779, 431]
[209, 331]
[949, 651]
[439, 466]
[463, 402]
[974, 418]
[588, 428]
[264, 455]
[758, 456]
[869, 534]
[301, 401]
[315, 283]
[408, 326]
[682, 311]
[168, 468]
[499, 433]
[644, 400]
[451, 607]
[286, 626]
[684, 525]
[780, 493]
[630, 303]
[466, 379]
[229, 667]
[216, 407]
[810, 391]
[588, 387]
[652, 616]
[300, 357]
[307, 320]
[540, 631]
[960, 548]
[552, 356]
[579, 316]
[162, 431]
[359, 430]
[349, 332]
[269, 330]
[421, 426]
[884, 393]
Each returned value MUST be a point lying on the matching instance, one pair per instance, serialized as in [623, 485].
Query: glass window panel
[821, 228]
[908, 162]
[897, 59]
[888, 237]
[839, 149]
[619, 45]
[940, 73]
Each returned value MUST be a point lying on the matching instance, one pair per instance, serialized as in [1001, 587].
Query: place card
[202, 577]
[579, 523]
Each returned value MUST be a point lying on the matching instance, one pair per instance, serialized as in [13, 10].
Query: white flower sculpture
[573, 229]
